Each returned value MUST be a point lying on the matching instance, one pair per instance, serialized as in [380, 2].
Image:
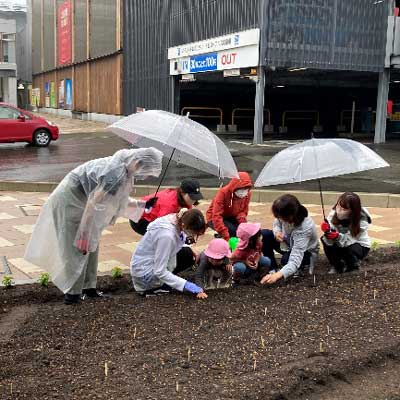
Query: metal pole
[353, 111]
[259, 107]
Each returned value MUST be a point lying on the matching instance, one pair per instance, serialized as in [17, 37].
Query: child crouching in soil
[214, 269]
[247, 260]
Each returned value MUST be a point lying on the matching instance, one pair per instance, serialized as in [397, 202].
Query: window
[8, 113]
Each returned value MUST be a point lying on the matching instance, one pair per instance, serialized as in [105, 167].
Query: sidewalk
[19, 211]
[69, 125]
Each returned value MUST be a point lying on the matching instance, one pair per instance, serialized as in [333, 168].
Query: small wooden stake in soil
[365, 274]
[134, 333]
[262, 343]
[177, 386]
[321, 347]
[327, 328]
[314, 280]
[189, 354]
[265, 311]
[375, 293]
[316, 302]
[254, 364]
[386, 318]
[11, 388]
[106, 369]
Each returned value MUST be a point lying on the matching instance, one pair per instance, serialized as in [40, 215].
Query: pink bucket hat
[218, 249]
[245, 231]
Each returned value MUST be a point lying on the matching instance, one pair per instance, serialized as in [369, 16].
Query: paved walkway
[18, 213]
[68, 125]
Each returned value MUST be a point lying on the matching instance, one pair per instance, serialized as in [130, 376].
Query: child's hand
[279, 236]
[202, 296]
[271, 278]
[229, 268]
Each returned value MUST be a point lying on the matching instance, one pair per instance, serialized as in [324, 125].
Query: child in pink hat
[214, 269]
[248, 260]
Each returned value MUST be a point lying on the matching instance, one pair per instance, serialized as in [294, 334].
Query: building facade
[315, 58]
[77, 57]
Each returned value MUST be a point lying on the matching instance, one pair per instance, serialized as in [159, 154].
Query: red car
[18, 125]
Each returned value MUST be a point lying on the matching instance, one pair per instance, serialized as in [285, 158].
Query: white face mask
[241, 193]
[342, 213]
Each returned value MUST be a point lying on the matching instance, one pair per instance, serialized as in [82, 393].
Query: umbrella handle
[165, 171]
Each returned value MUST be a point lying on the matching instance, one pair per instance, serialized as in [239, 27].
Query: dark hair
[288, 208]
[179, 195]
[193, 220]
[350, 201]
[253, 240]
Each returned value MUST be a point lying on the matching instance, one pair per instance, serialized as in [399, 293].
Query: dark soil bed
[295, 340]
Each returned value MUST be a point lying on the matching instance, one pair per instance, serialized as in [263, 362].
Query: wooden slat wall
[105, 85]
[80, 93]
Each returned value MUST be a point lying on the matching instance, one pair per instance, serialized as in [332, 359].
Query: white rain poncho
[87, 200]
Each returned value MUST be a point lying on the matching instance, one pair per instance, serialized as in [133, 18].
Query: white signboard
[216, 61]
[231, 41]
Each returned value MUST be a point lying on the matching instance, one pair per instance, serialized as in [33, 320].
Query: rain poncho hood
[226, 204]
[88, 199]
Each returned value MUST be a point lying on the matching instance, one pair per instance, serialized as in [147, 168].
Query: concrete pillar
[259, 107]
[381, 106]
[12, 91]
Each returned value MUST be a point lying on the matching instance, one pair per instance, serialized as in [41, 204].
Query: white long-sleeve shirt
[156, 252]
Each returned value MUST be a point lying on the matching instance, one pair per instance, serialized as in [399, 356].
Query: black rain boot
[72, 298]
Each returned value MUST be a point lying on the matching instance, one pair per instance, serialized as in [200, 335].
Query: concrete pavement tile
[130, 247]
[106, 232]
[28, 229]
[5, 243]
[122, 220]
[7, 198]
[251, 213]
[376, 228]
[25, 266]
[375, 216]
[4, 215]
[107, 266]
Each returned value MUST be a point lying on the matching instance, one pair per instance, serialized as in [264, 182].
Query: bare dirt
[337, 337]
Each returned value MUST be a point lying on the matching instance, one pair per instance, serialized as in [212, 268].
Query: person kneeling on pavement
[154, 261]
[346, 241]
[248, 262]
[214, 269]
[296, 232]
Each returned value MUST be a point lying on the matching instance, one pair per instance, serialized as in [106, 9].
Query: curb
[381, 200]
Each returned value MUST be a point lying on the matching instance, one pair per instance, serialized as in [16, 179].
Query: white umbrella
[318, 158]
[183, 140]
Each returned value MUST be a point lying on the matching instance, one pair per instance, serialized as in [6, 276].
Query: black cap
[192, 188]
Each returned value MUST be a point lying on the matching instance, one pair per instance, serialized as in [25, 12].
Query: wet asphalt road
[19, 162]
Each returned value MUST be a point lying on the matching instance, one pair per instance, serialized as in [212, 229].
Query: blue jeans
[242, 269]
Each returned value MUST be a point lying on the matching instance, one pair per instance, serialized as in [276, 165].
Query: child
[346, 241]
[248, 261]
[214, 269]
[154, 260]
[297, 233]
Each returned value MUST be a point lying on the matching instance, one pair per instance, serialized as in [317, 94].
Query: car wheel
[41, 138]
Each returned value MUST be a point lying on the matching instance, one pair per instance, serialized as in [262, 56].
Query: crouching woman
[154, 259]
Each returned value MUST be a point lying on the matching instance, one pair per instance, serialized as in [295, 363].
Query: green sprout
[398, 243]
[116, 273]
[44, 279]
[7, 281]
[374, 245]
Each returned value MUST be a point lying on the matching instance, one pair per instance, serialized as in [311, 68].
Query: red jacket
[167, 203]
[226, 204]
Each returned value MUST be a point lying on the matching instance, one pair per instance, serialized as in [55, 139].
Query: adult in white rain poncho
[65, 240]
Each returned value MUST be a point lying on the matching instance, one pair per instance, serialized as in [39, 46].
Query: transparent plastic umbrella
[318, 158]
[179, 138]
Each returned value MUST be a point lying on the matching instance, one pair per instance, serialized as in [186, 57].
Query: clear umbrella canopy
[188, 142]
[318, 158]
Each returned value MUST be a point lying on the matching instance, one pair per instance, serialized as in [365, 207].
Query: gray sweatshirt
[345, 238]
[156, 252]
[299, 239]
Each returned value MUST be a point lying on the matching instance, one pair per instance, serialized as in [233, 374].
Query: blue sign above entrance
[202, 63]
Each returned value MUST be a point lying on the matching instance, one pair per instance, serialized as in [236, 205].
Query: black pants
[305, 261]
[269, 245]
[184, 257]
[230, 223]
[345, 257]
